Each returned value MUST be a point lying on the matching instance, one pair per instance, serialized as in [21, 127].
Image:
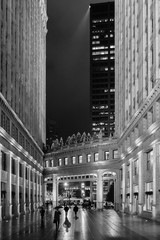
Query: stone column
[117, 191]
[131, 186]
[8, 209]
[24, 187]
[29, 187]
[44, 186]
[17, 186]
[34, 175]
[40, 190]
[124, 187]
[99, 190]
[37, 189]
[156, 157]
[140, 183]
[0, 183]
[55, 197]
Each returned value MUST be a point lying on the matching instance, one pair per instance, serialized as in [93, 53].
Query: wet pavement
[89, 225]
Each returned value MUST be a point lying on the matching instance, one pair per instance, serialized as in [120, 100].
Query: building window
[20, 169]
[60, 162]
[66, 161]
[115, 154]
[47, 165]
[135, 167]
[73, 160]
[4, 161]
[88, 157]
[80, 159]
[52, 163]
[96, 155]
[149, 159]
[26, 173]
[13, 166]
[149, 200]
[106, 155]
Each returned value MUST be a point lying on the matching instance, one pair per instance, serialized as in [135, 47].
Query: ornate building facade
[137, 89]
[22, 104]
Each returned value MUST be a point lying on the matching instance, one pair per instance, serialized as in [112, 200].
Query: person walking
[56, 220]
[66, 208]
[42, 212]
[75, 209]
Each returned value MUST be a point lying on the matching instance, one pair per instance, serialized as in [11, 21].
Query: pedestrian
[75, 209]
[57, 217]
[66, 208]
[42, 212]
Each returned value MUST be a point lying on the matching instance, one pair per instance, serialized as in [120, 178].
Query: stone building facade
[22, 104]
[137, 89]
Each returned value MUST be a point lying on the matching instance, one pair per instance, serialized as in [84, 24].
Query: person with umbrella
[57, 217]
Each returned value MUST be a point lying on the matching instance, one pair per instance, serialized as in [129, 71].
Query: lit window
[80, 159]
[106, 155]
[73, 160]
[60, 162]
[66, 161]
[52, 163]
[46, 163]
[96, 155]
[89, 158]
[115, 153]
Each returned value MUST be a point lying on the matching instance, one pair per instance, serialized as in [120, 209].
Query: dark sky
[68, 66]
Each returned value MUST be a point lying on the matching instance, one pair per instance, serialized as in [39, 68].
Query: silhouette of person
[57, 218]
[42, 212]
[75, 209]
[66, 208]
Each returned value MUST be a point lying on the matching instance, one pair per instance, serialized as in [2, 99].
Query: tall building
[102, 82]
[22, 104]
[137, 101]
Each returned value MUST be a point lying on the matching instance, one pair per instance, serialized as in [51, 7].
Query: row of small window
[14, 168]
[65, 161]
[12, 130]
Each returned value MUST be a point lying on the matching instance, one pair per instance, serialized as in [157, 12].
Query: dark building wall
[102, 81]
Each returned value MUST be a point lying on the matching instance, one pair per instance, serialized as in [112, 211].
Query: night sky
[68, 66]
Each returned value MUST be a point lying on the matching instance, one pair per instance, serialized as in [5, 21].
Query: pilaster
[0, 183]
[8, 209]
[156, 157]
[24, 188]
[140, 183]
[99, 189]
[55, 197]
[124, 186]
[131, 186]
[17, 187]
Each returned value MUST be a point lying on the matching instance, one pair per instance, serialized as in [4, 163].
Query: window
[60, 162]
[80, 159]
[149, 159]
[20, 169]
[96, 155]
[47, 165]
[52, 163]
[88, 157]
[13, 166]
[66, 161]
[73, 160]
[135, 167]
[4, 161]
[106, 155]
[115, 153]
[26, 173]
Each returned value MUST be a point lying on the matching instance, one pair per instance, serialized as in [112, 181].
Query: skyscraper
[102, 83]
[22, 104]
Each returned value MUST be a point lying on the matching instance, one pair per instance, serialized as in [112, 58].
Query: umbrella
[57, 207]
